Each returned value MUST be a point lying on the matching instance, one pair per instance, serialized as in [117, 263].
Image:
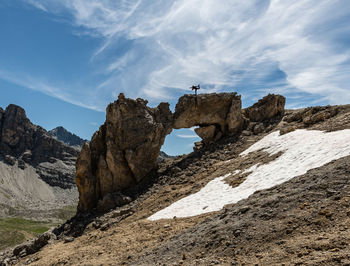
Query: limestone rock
[266, 108]
[312, 115]
[235, 120]
[222, 110]
[86, 182]
[123, 151]
[259, 128]
[34, 245]
[206, 133]
[318, 117]
[287, 129]
[126, 148]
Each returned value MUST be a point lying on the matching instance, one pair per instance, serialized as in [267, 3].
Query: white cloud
[175, 44]
[37, 5]
[186, 136]
[38, 85]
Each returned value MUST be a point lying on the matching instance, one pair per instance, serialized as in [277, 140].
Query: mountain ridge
[30, 155]
[62, 134]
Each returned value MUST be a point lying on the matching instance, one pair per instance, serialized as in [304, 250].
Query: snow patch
[302, 150]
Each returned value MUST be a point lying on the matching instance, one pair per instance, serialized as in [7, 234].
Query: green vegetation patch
[14, 231]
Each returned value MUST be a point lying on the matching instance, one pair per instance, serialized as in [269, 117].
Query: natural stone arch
[127, 145]
[215, 114]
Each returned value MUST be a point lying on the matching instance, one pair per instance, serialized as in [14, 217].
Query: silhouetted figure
[195, 88]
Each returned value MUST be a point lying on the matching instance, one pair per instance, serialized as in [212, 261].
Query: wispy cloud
[172, 44]
[38, 85]
[37, 4]
[186, 136]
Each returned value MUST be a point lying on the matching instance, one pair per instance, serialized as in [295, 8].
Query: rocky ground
[303, 221]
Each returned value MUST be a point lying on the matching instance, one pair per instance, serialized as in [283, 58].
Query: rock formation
[37, 171]
[266, 108]
[215, 114]
[24, 143]
[312, 115]
[123, 151]
[62, 134]
[127, 145]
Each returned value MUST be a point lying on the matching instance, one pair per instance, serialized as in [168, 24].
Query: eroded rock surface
[25, 143]
[266, 108]
[37, 171]
[126, 147]
[222, 110]
[123, 151]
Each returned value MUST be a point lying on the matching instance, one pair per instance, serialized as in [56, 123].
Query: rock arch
[126, 147]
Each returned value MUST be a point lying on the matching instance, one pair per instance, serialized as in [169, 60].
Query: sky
[64, 61]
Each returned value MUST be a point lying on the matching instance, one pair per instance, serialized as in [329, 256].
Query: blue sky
[65, 60]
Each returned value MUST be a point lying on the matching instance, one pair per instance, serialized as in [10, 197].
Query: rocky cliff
[62, 134]
[126, 148]
[35, 166]
[24, 143]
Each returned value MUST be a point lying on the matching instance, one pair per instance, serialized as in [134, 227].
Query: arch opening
[180, 141]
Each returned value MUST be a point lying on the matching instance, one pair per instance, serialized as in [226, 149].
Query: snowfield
[302, 150]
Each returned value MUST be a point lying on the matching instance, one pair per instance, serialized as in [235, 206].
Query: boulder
[259, 128]
[10, 160]
[34, 245]
[266, 108]
[287, 129]
[312, 115]
[317, 117]
[27, 156]
[123, 151]
[112, 200]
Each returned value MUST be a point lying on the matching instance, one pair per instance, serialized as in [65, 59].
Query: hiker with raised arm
[195, 88]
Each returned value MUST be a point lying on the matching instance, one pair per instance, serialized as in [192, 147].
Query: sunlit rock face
[266, 108]
[123, 151]
[222, 110]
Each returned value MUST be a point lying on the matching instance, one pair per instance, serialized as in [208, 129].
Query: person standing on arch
[195, 88]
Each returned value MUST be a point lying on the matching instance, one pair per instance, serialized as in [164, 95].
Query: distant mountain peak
[62, 134]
